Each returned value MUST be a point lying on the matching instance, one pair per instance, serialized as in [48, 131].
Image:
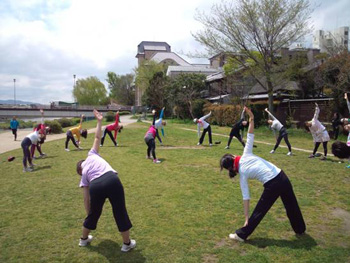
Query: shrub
[197, 107]
[223, 114]
[55, 126]
[66, 122]
[110, 116]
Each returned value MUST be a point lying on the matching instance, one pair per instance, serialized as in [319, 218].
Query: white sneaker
[199, 143]
[289, 153]
[126, 248]
[101, 145]
[84, 243]
[156, 161]
[227, 147]
[67, 150]
[28, 169]
[272, 151]
[236, 237]
[210, 145]
[148, 157]
[80, 148]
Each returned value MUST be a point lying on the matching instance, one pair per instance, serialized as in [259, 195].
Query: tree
[184, 89]
[155, 93]
[121, 88]
[90, 91]
[255, 30]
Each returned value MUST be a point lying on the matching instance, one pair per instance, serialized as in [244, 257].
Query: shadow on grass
[111, 251]
[304, 241]
[46, 157]
[38, 168]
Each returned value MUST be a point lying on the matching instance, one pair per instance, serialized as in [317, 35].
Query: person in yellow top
[77, 131]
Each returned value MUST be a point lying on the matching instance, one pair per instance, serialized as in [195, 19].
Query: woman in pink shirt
[100, 181]
[150, 140]
[112, 127]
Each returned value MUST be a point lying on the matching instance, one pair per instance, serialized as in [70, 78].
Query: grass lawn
[182, 209]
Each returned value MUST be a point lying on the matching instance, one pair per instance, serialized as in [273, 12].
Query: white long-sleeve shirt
[34, 137]
[254, 167]
[316, 128]
[203, 123]
[276, 125]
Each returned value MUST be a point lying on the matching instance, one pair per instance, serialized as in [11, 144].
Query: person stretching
[100, 181]
[159, 125]
[150, 140]
[14, 126]
[345, 121]
[32, 138]
[275, 181]
[40, 127]
[276, 126]
[319, 133]
[235, 131]
[336, 121]
[77, 131]
[112, 127]
[206, 128]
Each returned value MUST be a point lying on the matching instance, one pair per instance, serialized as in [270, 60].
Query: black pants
[26, 143]
[151, 146]
[282, 134]
[279, 186]
[203, 135]
[157, 135]
[107, 186]
[238, 136]
[317, 144]
[14, 132]
[110, 136]
[70, 137]
[335, 132]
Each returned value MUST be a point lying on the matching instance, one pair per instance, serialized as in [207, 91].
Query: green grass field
[182, 209]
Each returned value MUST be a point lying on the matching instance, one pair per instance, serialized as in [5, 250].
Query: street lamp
[14, 91]
[74, 80]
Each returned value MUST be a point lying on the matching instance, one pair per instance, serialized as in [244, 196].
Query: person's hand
[245, 223]
[98, 115]
[266, 110]
[163, 108]
[345, 96]
[249, 112]
[153, 112]
[316, 104]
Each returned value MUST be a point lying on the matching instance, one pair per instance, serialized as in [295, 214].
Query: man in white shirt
[275, 181]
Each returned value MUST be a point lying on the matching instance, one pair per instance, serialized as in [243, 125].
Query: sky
[43, 43]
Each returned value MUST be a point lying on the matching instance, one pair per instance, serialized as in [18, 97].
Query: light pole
[74, 84]
[14, 91]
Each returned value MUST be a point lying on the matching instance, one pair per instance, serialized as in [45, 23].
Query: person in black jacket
[335, 124]
[235, 131]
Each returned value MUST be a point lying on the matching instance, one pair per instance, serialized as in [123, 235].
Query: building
[330, 41]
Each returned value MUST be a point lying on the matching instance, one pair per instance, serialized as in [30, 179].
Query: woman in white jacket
[319, 133]
[206, 128]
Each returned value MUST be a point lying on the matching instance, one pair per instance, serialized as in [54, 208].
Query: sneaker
[156, 161]
[84, 243]
[126, 248]
[148, 157]
[323, 158]
[227, 147]
[236, 237]
[80, 148]
[210, 145]
[34, 157]
[28, 169]
[272, 151]
[67, 150]
[199, 143]
[101, 145]
[311, 156]
[289, 153]
[42, 155]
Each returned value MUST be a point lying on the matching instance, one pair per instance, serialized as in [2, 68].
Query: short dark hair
[341, 150]
[79, 169]
[84, 133]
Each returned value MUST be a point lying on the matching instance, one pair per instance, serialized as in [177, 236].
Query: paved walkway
[8, 144]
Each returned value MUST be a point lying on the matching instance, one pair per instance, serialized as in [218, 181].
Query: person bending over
[76, 131]
[206, 128]
[159, 124]
[275, 181]
[235, 131]
[112, 127]
[40, 127]
[100, 181]
[276, 126]
[150, 140]
[32, 138]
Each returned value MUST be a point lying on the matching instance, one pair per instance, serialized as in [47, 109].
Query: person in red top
[150, 140]
[112, 127]
[42, 129]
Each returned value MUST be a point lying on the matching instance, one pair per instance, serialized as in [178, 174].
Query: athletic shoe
[67, 150]
[227, 147]
[323, 158]
[311, 156]
[84, 243]
[210, 145]
[101, 145]
[199, 143]
[148, 157]
[272, 151]
[28, 169]
[126, 248]
[42, 155]
[289, 153]
[34, 157]
[156, 161]
[236, 237]
[80, 148]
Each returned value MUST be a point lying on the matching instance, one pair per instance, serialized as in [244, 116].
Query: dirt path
[8, 144]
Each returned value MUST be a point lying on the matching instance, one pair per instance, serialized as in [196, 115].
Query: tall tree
[154, 95]
[121, 88]
[256, 30]
[90, 91]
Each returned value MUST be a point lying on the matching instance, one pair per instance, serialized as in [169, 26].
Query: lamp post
[74, 85]
[14, 91]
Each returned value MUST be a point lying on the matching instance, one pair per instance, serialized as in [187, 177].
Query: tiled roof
[161, 56]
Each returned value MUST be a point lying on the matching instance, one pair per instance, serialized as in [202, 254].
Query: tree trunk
[190, 108]
[270, 94]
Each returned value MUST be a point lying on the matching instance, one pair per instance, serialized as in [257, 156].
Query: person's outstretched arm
[154, 117]
[317, 112]
[206, 116]
[161, 113]
[270, 114]
[347, 101]
[251, 120]
[97, 140]
[242, 114]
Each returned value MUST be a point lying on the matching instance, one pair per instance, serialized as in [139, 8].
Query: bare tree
[256, 30]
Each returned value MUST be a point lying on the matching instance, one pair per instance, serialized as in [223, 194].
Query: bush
[55, 126]
[110, 116]
[223, 115]
[197, 107]
[66, 122]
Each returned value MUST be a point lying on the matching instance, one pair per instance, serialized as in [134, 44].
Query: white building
[328, 41]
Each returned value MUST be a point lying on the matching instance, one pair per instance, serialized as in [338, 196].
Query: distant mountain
[18, 102]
